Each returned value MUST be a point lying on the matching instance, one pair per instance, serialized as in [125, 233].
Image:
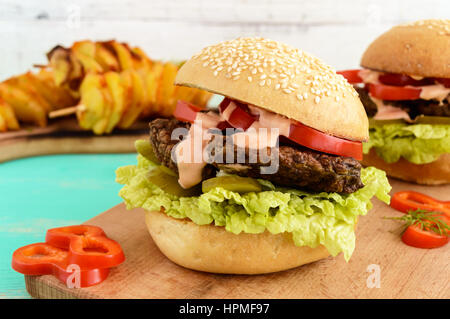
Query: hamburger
[405, 88]
[276, 183]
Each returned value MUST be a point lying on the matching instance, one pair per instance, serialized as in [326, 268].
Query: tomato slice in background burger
[397, 79]
[352, 76]
[394, 93]
[443, 81]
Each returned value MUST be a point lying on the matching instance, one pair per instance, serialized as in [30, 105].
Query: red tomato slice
[422, 238]
[186, 112]
[397, 79]
[394, 93]
[316, 140]
[352, 76]
[240, 117]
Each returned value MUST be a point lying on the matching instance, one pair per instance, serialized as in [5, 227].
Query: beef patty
[298, 167]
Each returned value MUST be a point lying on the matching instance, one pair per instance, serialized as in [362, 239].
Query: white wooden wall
[336, 31]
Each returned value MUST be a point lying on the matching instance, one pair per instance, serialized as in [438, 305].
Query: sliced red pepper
[416, 235]
[45, 259]
[84, 246]
[61, 236]
[406, 201]
[423, 238]
[88, 246]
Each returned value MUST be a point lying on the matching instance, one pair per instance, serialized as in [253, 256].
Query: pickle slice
[232, 183]
[169, 183]
[145, 149]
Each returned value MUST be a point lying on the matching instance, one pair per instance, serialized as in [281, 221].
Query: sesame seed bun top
[281, 79]
[420, 48]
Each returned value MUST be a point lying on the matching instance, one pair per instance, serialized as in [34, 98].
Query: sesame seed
[270, 62]
[317, 99]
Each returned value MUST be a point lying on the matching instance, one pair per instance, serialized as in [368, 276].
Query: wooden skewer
[66, 111]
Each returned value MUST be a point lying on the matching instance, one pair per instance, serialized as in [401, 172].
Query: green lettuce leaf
[316, 219]
[417, 143]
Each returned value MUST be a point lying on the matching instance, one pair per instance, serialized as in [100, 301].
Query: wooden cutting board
[405, 272]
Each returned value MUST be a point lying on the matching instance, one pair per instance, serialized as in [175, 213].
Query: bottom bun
[213, 249]
[434, 173]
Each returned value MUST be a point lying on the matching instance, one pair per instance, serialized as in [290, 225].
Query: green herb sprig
[425, 220]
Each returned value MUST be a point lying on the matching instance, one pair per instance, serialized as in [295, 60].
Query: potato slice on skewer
[117, 91]
[25, 107]
[152, 81]
[7, 113]
[102, 124]
[85, 52]
[124, 55]
[23, 82]
[135, 108]
[58, 97]
[165, 95]
[92, 101]
[106, 58]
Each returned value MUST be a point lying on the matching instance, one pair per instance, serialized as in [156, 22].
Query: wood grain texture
[336, 31]
[406, 272]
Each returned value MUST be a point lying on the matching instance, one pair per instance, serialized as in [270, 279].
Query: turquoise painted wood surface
[50, 191]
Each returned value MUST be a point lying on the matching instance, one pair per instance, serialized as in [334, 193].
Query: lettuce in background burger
[406, 92]
[229, 212]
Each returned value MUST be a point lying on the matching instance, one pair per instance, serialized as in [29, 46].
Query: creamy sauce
[189, 152]
[436, 91]
[369, 76]
[271, 120]
[389, 112]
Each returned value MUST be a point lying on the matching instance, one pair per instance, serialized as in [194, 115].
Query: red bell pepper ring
[407, 201]
[84, 247]
[88, 246]
[45, 259]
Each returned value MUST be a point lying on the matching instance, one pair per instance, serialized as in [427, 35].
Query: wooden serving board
[64, 136]
[405, 272]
